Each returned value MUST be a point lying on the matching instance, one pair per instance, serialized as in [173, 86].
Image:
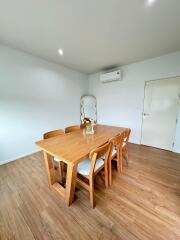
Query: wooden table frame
[68, 192]
[58, 147]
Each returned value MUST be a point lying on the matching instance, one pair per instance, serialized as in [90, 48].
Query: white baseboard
[18, 157]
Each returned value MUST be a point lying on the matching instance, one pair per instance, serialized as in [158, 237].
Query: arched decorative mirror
[88, 108]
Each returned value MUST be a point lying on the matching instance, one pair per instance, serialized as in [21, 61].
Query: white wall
[35, 96]
[121, 103]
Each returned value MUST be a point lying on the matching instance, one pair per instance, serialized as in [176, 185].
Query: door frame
[158, 79]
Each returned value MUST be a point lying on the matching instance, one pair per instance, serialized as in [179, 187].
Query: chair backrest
[126, 135]
[54, 133]
[117, 142]
[103, 151]
[72, 129]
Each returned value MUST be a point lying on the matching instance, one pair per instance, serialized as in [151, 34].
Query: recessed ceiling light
[150, 2]
[60, 51]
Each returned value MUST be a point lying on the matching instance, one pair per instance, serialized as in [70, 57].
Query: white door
[176, 147]
[161, 105]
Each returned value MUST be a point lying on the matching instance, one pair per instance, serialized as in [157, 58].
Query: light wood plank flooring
[143, 203]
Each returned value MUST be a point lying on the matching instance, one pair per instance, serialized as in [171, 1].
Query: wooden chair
[90, 167]
[116, 154]
[72, 129]
[119, 149]
[51, 134]
[54, 133]
[125, 149]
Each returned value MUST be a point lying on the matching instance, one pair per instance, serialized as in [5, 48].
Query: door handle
[145, 114]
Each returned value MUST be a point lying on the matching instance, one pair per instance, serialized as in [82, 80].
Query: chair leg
[91, 190]
[60, 167]
[126, 153]
[119, 162]
[110, 172]
[106, 174]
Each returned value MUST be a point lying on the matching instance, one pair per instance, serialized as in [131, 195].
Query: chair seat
[124, 144]
[114, 151]
[84, 166]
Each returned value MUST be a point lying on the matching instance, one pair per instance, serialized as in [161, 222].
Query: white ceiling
[94, 34]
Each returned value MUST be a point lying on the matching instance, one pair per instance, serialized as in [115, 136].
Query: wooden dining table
[73, 148]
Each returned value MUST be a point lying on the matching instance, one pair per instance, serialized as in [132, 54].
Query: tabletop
[75, 146]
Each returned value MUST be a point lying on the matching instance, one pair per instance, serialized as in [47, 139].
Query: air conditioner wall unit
[111, 76]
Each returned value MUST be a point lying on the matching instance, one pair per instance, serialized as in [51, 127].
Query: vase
[90, 128]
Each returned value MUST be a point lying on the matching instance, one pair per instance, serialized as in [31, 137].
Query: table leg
[70, 183]
[49, 163]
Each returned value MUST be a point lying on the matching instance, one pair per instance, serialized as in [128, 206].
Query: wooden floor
[143, 203]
